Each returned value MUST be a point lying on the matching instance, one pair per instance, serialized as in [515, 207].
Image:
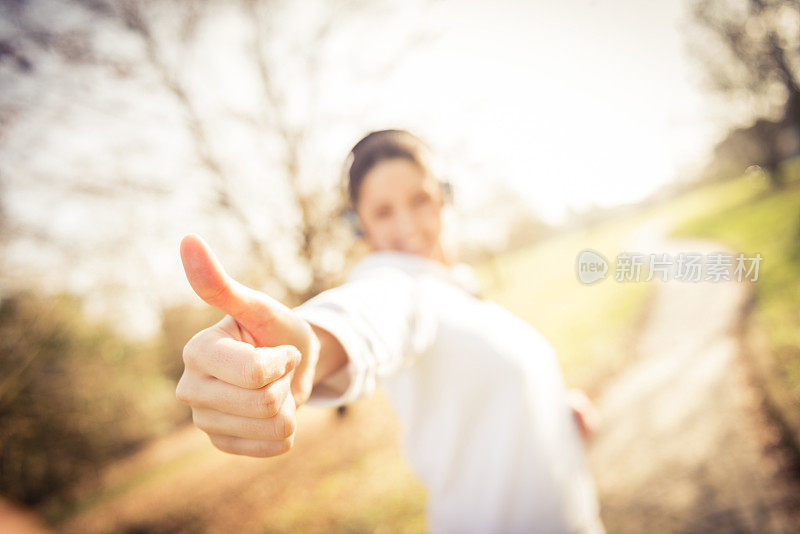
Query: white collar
[460, 274]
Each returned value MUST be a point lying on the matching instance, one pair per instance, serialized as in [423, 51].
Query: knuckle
[267, 402]
[196, 419]
[255, 374]
[216, 296]
[190, 350]
[293, 357]
[225, 445]
[274, 448]
[182, 391]
[263, 450]
[284, 426]
[286, 444]
[301, 390]
[187, 356]
[300, 397]
[200, 422]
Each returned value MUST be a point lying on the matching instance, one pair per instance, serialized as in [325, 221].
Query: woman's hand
[244, 376]
[585, 414]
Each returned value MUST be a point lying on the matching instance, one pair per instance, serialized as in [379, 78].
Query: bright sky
[573, 102]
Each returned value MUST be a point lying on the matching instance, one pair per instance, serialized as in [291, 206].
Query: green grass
[593, 327]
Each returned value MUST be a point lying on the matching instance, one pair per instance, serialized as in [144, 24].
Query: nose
[405, 224]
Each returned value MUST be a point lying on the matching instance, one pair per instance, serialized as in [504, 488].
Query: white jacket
[478, 392]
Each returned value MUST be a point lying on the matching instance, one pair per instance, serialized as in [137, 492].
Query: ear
[447, 191]
[360, 231]
[354, 221]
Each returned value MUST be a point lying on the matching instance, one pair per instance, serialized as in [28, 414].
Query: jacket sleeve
[382, 322]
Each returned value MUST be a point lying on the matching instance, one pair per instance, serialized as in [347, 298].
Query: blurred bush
[73, 396]
[178, 324]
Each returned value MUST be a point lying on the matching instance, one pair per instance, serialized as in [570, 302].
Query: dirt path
[15, 519]
[685, 445]
[181, 484]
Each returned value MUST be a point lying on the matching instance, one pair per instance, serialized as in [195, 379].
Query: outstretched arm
[381, 321]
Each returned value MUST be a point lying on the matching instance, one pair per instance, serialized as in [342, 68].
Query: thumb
[252, 309]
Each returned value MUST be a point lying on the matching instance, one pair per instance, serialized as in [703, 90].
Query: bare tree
[316, 229]
[135, 18]
[751, 49]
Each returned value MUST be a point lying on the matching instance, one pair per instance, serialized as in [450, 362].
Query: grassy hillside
[751, 218]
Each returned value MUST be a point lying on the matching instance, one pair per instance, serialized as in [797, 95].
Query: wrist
[331, 354]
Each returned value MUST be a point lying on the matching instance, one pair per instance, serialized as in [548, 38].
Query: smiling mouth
[416, 247]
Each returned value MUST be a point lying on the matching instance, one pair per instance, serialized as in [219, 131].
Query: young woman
[487, 423]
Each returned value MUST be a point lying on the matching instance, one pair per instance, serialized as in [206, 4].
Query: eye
[382, 212]
[420, 198]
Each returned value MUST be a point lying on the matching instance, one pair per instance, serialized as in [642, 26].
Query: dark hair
[381, 145]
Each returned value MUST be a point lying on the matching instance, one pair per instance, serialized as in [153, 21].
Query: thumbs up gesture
[244, 376]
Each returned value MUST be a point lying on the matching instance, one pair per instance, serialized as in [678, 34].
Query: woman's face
[400, 208]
